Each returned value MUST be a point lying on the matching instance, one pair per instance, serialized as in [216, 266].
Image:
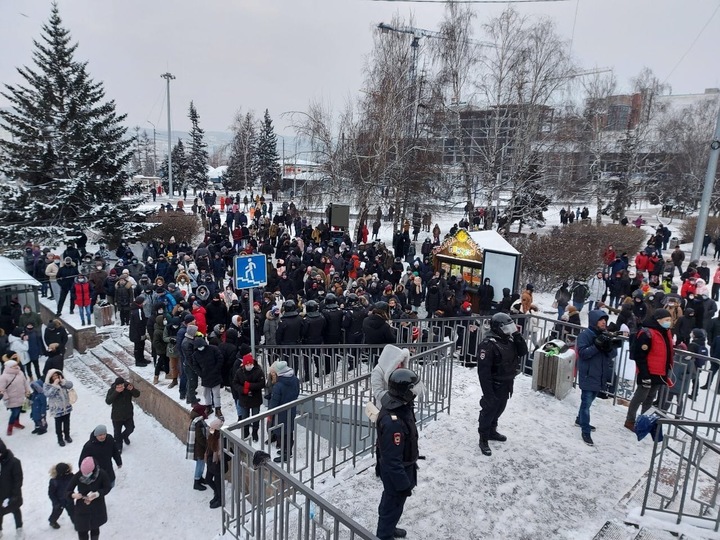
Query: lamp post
[154, 149]
[168, 76]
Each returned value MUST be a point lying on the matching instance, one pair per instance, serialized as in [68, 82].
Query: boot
[484, 446]
[219, 414]
[246, 432]
[399, 533]
[173, 383]
[495, 436]
[9, 430]
[199, 485]
[255, 437]
[156, 379]
[215, 503]
[68, 439]
[630, 424]
[61, 442]
[18, 425]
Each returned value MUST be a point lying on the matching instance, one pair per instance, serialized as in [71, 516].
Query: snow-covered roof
[216, 172]
[11, 274]
[493, 241]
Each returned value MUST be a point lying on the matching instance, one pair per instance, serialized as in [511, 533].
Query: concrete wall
[82, 338]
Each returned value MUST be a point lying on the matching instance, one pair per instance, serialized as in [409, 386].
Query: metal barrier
[684, 474]
[327, 430]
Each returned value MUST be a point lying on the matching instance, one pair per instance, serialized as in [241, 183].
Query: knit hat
[661, 314]
[280, 367]
[201, 410]
[248, 360]
[140, 300]
[192, 329]
[189, 317]
[87, 466]
[10, 363]
[113, 272]
[100, 430]
[466, 306]
[529, 287]
[215, 424]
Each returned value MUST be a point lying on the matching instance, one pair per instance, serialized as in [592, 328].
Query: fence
[326, 430]
[684, 474]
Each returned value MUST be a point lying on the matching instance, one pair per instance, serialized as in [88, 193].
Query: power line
[471, 1]
[700, 33]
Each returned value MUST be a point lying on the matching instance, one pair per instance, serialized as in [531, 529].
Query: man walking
[119, 396]
[138, 331]
[498, 362]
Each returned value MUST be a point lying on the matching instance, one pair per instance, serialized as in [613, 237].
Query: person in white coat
[390, 359]
[597, 286]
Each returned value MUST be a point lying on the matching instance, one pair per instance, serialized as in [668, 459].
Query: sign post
[251, 272]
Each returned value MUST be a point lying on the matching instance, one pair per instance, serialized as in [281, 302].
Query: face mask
[98, 267]
[509, 329]
[666, 324]
[249, 368]
[27, 310]
[201, 348]
[164, 323]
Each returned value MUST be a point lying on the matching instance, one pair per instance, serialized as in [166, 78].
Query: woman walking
[58, 399]
[90, 512]
[14, 388]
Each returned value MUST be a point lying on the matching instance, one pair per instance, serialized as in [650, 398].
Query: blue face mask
[666, 324]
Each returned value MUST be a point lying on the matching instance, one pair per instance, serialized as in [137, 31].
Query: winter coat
[432, 299]
[51, 271]
[313, 327]
[93, 515]
[157, 337]
[57, 395]
[14, 386]
[333, 329]
[270, 329]
[103, 452]
[200, 319]
[137, 328]
[121, 402]
[56, 361]
[597, 288]
[377, 331]
[66, 276]
[595, 367]
[11, 478]
[21, 347]
[285, 390]
[30, 318]
[124, 294]
[36, 347]
[208, 365]
[58, 488]
[39, 402]
[289, 331]
[248, 386]
[216, 313]
[83, 293]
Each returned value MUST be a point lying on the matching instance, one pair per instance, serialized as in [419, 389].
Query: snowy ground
[153, 496]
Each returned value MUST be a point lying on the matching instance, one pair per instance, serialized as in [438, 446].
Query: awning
[12, 275]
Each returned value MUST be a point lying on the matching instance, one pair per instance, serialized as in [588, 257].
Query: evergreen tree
[241, 171]
[179, 166]
[68, 152]
[148, 155]
[268, 168]
[197, 160]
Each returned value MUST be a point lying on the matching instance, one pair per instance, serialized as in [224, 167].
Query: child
[60, 476]
[39, 407]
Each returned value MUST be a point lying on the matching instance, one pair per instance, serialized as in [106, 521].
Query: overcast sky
[280, 54]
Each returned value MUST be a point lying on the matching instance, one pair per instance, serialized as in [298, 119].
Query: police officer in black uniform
[398, 444]
[498, 363]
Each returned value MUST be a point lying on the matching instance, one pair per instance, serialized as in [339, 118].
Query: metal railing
[684, 475]
[325, 431]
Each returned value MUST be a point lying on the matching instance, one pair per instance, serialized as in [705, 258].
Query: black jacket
[398, 445]
[248, 386]
[208, 365]
[103, 453]
[93, 515]
[11, 478]
[377, 331]
[289, 330]
[313, 328]
[122, 406]
[333, 328]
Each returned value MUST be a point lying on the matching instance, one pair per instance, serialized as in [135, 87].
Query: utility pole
[707, 193]
[154, 149]
[168, 76]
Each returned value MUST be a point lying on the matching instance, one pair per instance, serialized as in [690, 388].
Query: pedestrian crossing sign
[250, 271]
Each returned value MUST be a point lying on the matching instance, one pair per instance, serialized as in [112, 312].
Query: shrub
[687, 229]
[184, 227]
[574, 251]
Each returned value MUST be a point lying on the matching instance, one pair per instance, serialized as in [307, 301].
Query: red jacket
[688, 287]
[641, 261]
[652, 353]
[83, 297]
[200, 320]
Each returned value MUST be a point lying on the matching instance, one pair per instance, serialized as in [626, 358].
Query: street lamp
[168, 76]
[154, 149]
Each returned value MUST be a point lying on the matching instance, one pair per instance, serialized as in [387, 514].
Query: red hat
[256, 304]
[466, 306]
[415, 332]
[248, 360]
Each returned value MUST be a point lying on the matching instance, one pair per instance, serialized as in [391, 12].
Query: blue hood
[594, 316]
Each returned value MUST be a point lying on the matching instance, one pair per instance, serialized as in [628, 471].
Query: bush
[687, 229]
[184, 227]
[573, 252]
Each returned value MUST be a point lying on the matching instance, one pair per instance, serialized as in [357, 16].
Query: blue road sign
[250, 271]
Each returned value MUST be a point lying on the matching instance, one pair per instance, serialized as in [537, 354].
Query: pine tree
[179, 167]
[148, 154]
[197, 160]
[68, 152]
[242, 166]
[268, 168]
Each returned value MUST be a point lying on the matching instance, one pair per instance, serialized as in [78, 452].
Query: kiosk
[477, 255]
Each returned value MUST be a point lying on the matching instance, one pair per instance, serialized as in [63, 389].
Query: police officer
[498, 362]
[398, 444]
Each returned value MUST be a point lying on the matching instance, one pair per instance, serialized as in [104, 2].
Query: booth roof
[493, 241]
[11, 274]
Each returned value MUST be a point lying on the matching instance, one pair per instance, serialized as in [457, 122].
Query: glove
[246, 388]
[92, 495]
[603, 342]
[646, 383]
[406, 492]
